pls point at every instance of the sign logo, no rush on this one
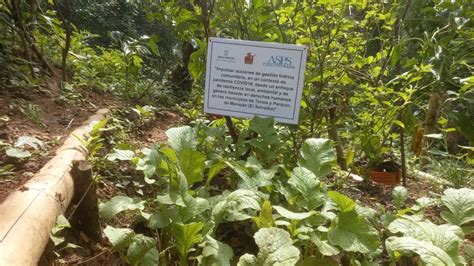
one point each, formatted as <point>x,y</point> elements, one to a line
<point>279,61</point>
<point>249,58</point>
<point>225,57</point>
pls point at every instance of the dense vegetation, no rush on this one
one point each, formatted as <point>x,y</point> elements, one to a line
<point>385,81</point>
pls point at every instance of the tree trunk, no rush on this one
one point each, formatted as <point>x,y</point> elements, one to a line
<point>431,117</point>
<point>66,18</point>
<point>334,136</point>
<point>30,39</point>
<point>430,122</point>
<point>15,13</point>
<point>85,211</point>
<point>403,156</point>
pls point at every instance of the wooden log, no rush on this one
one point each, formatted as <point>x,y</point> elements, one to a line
<point>28,215</point>
<point>84,214</point>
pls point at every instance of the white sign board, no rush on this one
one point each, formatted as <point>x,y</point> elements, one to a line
<point>245,78</point>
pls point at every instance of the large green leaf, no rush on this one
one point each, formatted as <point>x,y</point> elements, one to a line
<point>429,254</point>
<point>265,217</point>
<point>252,178</point>
<point>399,196</point>
<point>324,247</point>
<point>192,163</point>
<point>149,164</point>
<point>119,204</point>
<point>446,237</point>
<point>142,251</point>
<point>354,233</point>
<point>309,186</point>
<point>262,125</point>
<point>192,207</point>
<point>186,235</point>
<point>267,142</point>
<point>162,219</point>
<point>343,202</point>
<point>214,169</point>
<point>313,261</point>
<point>231,207</point>
<point>248,260</point>
<point>215,253</point>
<point>180,138</point>
<point>119,237</point>
<point>121,155</point>
<point>275,248</point>
<point>292,215</point>
<point>318,156</point>
<point>460,203</point>
<point>17,153</point>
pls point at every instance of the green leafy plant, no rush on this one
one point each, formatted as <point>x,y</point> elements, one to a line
<point>92,145</point>
<point>30,110</point>
<point>399,196</point>
<point>274,249</point>
<point>434,244</point>
<point>186,235</point>
<point>460,204</point>
<point>57,237</point>
<point>138,249</point>
<point>288,203</point>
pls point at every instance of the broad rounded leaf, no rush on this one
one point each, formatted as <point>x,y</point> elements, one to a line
<point>216,253</point>
<point>399,196</point>
<point>121,155</point>
<point>232,206</point>
<point>342,201</point>
<point>446,237</point>
<point>18,153</point>
<point>353,233</point>
<point>149,164</point>
<point>119,237</point>
<point>275,247</point>
<point>192,163</point>
<point>180,138</point>
<point>119,204</point>
<point>305,182</point>
<point>429,254</point>
<point>460,203</point>
<point>143,251</point>
<point>324,247</point>
<point>247,260</point>
<point>292,215</point>
<point>313,261</point>
<point>318,156</point>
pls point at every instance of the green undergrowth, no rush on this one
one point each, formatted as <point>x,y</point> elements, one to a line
<point>200,199</point>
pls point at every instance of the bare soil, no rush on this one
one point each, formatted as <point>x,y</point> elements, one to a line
<point>58,119</point>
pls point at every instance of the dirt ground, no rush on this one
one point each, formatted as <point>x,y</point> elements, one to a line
<point>58,118</point>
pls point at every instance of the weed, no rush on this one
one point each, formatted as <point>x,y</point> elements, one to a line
<point>453,170</point>
<point>30,110</point>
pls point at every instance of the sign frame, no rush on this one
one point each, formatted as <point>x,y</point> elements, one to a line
<point>266,47</point>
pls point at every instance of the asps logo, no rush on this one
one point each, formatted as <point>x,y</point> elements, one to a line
<point>279,61</point>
